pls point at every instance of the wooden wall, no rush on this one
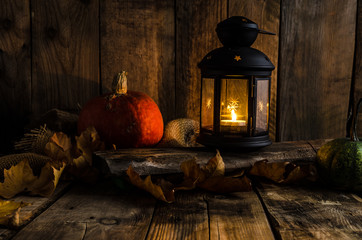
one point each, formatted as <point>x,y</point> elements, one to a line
<point>59,54</point>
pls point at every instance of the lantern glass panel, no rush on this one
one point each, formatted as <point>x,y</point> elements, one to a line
<point>207,104</point>
<point>262,106</point>
<point>234,106</point>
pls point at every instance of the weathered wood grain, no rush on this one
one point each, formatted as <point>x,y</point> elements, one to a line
<point>139,37</point>
<point>195,36</point>
<point>315,68</point>
<point>318,143</point>
<point>186,218</point>
<point>313,213</point>
<point>38,205</point>
<point>93,212</point>
<point>15,69</point>
<point>267,15</point>
<point>237,216</point>
<point>167,160</point>
<point>65,37</point>
<point>357,78</point>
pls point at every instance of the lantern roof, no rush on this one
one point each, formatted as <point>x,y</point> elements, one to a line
<point>236,61</point>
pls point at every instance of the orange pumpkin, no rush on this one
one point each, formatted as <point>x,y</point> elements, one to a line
<point>124,118</point>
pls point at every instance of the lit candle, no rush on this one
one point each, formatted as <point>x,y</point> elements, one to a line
<point>233,121</point>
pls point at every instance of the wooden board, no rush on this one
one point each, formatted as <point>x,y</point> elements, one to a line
<point>313,213</point>
<point>237,216</point>
<point>315,68</point>
<point>357,81</point>
<point>65,37</point>
<point>38,205</point>
<point>267,15</point>
<point>186,218</point>
<point>15,69</point>
<point>167,160</point>
<point>195,36</point>
<point>139,37</point>
<point>97,212</point>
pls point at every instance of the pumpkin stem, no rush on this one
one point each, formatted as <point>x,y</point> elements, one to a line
<point>353,128</point>
<point>119,84</point>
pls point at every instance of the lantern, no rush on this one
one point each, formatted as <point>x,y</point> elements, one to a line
<point>235,89</point>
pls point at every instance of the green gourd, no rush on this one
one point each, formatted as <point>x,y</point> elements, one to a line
<point>339,161</point>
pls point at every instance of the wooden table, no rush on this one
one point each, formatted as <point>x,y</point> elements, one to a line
<point>270,211</point>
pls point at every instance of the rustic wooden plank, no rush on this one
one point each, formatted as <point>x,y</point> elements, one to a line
<point>237,216</point>
<point>195,36</point>
<point>313,213</point>
<point>357,78</point>
<point>38,205</point>
<point>94,212</point>
<point>65,36</point>
<point>315,68</point>
<point>267,15</point>
<point>186,218</point>
<point>167,160</point>
<point>318,143</point>
<point>15,69</point>
<point>139,37</point>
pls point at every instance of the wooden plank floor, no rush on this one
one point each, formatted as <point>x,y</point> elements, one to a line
<point>269,211</point>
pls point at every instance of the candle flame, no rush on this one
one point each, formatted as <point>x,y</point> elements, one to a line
<point>233,115</point>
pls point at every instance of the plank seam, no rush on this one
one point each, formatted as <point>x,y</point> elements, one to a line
<point>41,210</point>
<point>100,82</point>
<point>153,215</point>
<point>277,108</point>
<point>269,216</point>
<point>208,215</point>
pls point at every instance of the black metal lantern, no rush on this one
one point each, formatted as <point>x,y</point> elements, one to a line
<point>235,89</point>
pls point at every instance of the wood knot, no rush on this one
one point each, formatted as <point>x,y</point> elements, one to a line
<point>109,221</point>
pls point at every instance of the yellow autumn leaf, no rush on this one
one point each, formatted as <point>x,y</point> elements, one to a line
<point>81,165</point>
<point>9,212</point>
<point>87,143</point>
<point>163,190</point>
<point>59,147</point>
<point>20,178</point>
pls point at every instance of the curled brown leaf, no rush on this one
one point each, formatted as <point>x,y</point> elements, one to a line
<point>163,191</point>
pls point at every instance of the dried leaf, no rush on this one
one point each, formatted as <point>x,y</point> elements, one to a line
<point>163,191</point>
<point>214,167</point>
<point>157,190</point>
<point>283,172</point>
<point>59,147</point>
<point>20,178</point>
<point>9,212</point>
<point>81,165</point>
<point>87,143</point>
<point>211,177</point>
<point>273,171</point>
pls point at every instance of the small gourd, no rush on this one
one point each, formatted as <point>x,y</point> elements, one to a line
<point>124,118</point>
<point>339,161</point>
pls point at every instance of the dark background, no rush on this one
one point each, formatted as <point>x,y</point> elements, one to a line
<point>58,54</point>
